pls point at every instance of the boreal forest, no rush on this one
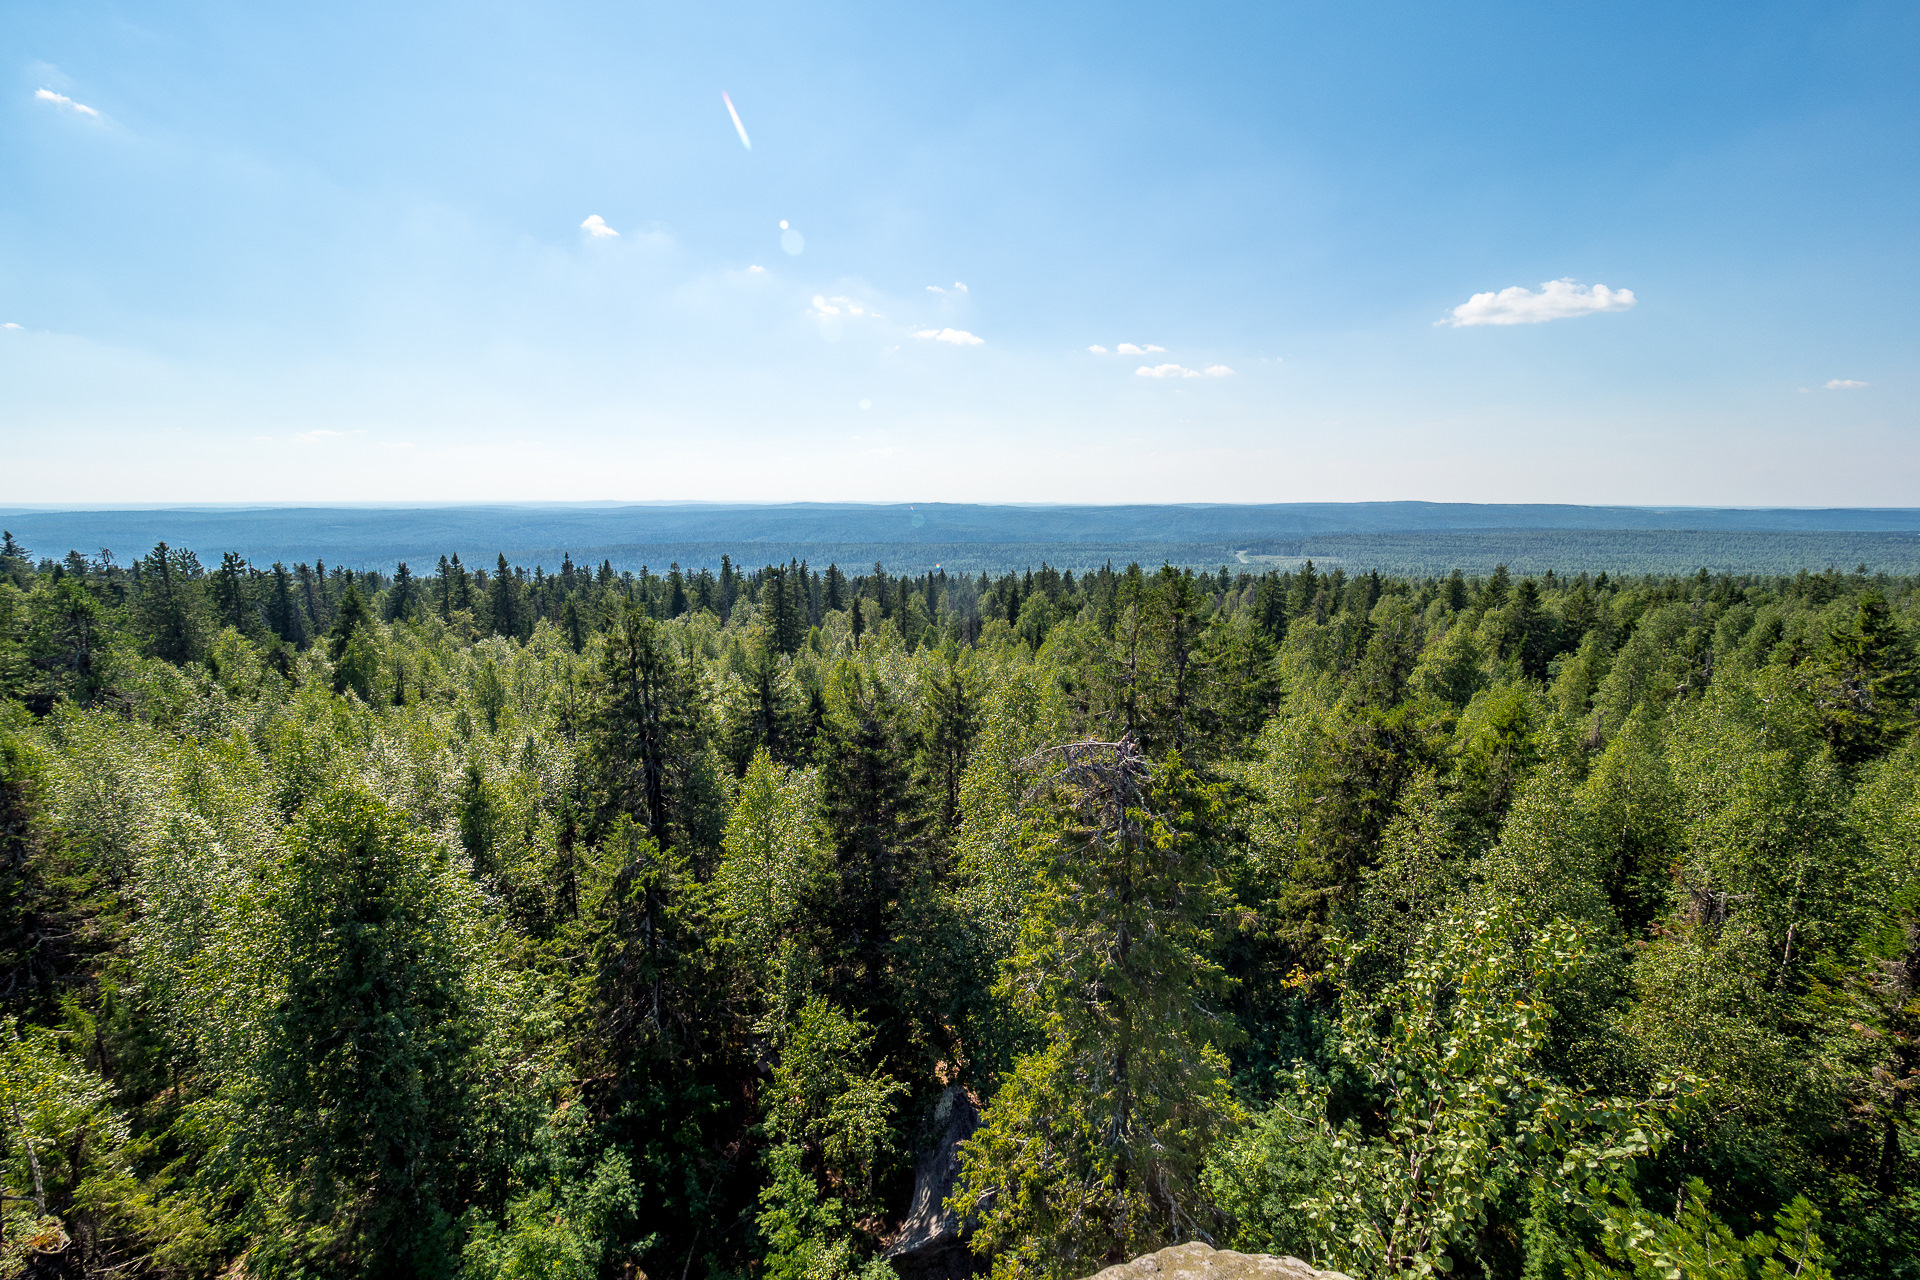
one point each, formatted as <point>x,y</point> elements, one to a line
<point>495,922</point>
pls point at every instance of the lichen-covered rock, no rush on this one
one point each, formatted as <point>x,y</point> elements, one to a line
<point>1195,1261</point>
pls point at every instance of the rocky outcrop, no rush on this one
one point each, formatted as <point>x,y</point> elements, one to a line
<point>930,1245</point>
<point>1195,1261</point>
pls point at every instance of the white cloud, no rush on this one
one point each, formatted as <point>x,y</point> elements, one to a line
<point>62,100</point>
<point>756,270</point>
<point>958,337</point>
<point>1838,384</point>
<point>1097,349</point>
<point>1128,349</point>
<point>959,287</point>
<point>1557,300</point>
<point>9,325</point>
<point>1181,371</point>
<point>596,226</point>
<point>824,308</point>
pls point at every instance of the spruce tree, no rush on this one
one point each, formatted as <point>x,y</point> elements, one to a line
<point>284,617</point>
<point>645,732</point>
<point>504,600</point>
<point>676,591</point>
<point>952,722</point>
<point>1866,681</point>
<point>370,1055</point>
<point>400,597</point>
<point>1091,1151</point>
<point>231,604</point>
<point>171,605</point>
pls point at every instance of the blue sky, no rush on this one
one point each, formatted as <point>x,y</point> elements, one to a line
<point>280,253</point>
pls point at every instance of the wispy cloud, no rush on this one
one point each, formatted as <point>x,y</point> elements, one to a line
<point>958,337</point>
<point>1844,384</point>
<point>1129,349</point>
<point>825,308</point>
<point>1181,371</point>
<point>1557,300</point>
<point>1097,349</point>
<point>62,100</point>
<point>9,325</point>
<point>957,288</point>
<point>596,226</point>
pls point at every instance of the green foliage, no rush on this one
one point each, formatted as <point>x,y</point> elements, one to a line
<point>1091,1149</point>
<point>370,1050</point>
<point>509,923</point>
<point>1444,1111</point>
<point>1865,682</point>
<point>85,1205</point>
<point>1694,1244</point>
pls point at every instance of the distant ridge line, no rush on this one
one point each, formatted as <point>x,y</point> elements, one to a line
<point>1399,537</point>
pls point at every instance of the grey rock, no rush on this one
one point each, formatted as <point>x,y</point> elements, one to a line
<point>931,1244</point>
<point>1196,1261</point>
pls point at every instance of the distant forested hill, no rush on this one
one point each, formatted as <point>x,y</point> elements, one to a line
<point>1393,537</point>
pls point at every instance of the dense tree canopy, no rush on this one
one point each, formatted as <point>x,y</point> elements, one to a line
<point>504,922</point>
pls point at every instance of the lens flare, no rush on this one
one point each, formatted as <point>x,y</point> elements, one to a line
<point>738,128</point>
